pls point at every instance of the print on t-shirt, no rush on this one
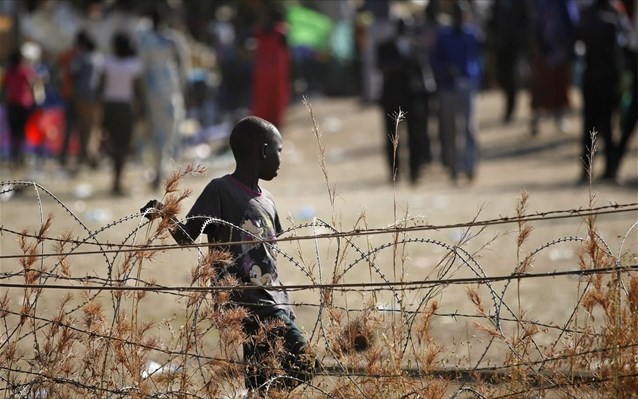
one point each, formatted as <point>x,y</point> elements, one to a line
<point>259,257</point>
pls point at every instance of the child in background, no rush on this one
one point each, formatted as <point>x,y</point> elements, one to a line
<point>120,90</point>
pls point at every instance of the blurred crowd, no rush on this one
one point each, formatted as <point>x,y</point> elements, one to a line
<point>432,63</point>
<point>116,81</point>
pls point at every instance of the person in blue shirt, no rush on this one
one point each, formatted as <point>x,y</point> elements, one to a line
<point>85,74</point>
<point>455,62</point>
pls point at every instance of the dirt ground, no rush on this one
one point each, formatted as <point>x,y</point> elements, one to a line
<point>511,160</point>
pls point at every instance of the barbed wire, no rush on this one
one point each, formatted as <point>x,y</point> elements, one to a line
<point>449,315</point>
<point>492,375</point>
<point>405,285</point>
<point>588,381</point>
<point>458,374</point>
<point>123,248</point>
<point>405,311</point>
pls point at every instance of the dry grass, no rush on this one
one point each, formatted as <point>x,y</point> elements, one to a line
<point>375,341</point>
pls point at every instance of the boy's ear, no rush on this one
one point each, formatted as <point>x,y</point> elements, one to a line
<point>263,150</point>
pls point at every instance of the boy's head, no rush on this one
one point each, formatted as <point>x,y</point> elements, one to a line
<point>257,143</point>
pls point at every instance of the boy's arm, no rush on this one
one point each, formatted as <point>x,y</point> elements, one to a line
<point>278,228</point>
<point>153,209</point>
<point>206,206</point>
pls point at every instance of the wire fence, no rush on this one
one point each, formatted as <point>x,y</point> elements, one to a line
<point>74,313</point>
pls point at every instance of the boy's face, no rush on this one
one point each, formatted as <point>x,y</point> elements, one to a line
<point>271,157</point>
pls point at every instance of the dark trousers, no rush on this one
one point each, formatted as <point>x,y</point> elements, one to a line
<point>118,126</point>
<point>17,117</point>
<point>628,122</point>
<point>506,67</point>
<point>416,121</point>
<point>598,107</point>
<point>69,119</point>
<point>86,112</point>
<point>275,347</point>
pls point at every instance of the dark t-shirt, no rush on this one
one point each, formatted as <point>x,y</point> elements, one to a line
<point>255,214</point>
<point>599,30</point>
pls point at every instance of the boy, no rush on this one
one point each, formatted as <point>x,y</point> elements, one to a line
<point>237,198</point>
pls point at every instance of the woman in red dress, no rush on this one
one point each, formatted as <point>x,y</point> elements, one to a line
<point>271,71</point>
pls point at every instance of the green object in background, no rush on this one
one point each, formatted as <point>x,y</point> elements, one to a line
<point>307,28</point>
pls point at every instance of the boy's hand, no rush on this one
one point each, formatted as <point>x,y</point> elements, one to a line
<point>152,209</point>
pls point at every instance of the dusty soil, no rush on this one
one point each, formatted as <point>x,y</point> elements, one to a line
<point>546,166</point>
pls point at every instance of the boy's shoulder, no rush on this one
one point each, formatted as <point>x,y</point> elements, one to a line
<point>229,185</point>
<point>217,183</point>
<point>267,195</point>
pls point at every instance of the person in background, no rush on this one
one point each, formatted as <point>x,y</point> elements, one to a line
<point>163,80</point>
<point>229,33</point>
<point>66,94</point>
<point>629,116</point>
<point>426,32</point>
<point>18,97</point>
<point>507,33</point>
<point>455,61</point>
<point>600,31</point>
<point>552,42</point>
<point>374,27</point>
<point>120,91</point>
<point>271,69</point>
<point>404,88</point>
<point>17,85</point>
<point>85,69</point>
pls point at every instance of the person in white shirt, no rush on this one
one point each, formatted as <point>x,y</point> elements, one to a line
<point>164,76</point>
<point>120,90</point>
